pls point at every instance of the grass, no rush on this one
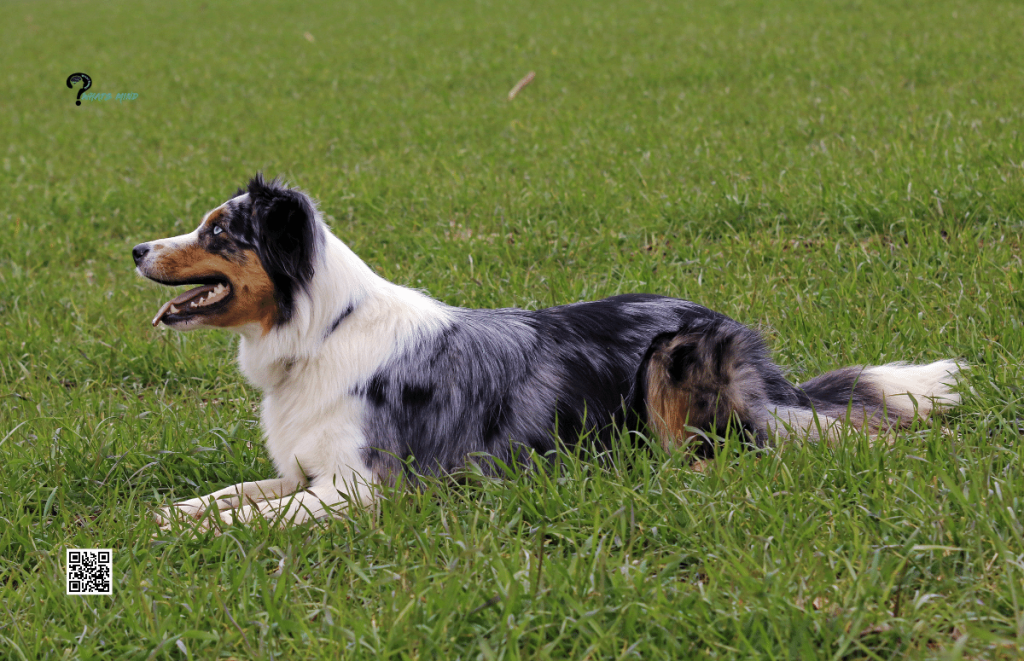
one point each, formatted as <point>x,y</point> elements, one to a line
<point>846,178</point>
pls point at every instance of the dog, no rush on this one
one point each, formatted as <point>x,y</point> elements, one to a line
<point>367,383</point>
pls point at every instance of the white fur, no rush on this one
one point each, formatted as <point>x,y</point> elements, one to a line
<point>310,414</point>
<point>915,389</point>
<point>180,240</point>
<point>908,390</point>
<point>795,422</point>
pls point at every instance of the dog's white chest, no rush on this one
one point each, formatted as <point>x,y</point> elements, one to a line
<point>313,436</point>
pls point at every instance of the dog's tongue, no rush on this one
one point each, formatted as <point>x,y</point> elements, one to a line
<point>180,299</point>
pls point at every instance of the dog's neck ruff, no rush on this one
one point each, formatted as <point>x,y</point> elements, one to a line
<point>347,315</point>
<point>337,320</point>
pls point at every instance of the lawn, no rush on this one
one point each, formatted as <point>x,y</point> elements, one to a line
<point>846,177</point>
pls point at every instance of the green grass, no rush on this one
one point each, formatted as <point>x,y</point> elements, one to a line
<point>846,177</point>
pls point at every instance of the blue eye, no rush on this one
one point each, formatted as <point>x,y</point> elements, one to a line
<point>217,230</point>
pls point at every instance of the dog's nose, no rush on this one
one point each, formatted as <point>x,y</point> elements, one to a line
<point>139,252</point>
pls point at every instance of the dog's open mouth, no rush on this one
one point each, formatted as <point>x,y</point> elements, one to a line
<point>204,300</point>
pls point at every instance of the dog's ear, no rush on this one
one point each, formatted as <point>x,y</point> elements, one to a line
<point>288,238</point>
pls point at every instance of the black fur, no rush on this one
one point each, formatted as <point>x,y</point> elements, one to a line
<point>241,224</point>
<point>844,391</point>
<point>721,375</point>
<point>719,369</point>
<point>340,318</point>
<point>502,382</point>
<point>287,238</point>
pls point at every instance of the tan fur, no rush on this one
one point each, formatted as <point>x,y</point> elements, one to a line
<point>253,292</point>
<point>214,216</point>
<point>668,409</point>
<point>706,381</point>
<point>254,295</point>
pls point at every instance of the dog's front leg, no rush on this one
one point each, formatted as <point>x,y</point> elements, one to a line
<point>229,498</point>
<point>312,503</point>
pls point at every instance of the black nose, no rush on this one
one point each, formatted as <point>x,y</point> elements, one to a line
<point>139,252</point>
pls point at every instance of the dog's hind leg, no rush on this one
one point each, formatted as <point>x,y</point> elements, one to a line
<point>719,374</point>
<point>228,498</point>
<point>705,379</point>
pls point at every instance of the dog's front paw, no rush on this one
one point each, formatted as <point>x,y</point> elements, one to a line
<point>189,523</point>
<point>179,512</point>
<point>187,514</point>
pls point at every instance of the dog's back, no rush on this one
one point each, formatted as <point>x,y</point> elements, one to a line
<point>503,383</point>
<point>507,382</point>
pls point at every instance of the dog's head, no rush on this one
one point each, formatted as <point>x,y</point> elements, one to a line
<point>251,257</point>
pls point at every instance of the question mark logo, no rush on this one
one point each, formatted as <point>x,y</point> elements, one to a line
<point>79,77</point>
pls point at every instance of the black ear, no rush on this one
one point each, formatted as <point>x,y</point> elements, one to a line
<point>288,238</point>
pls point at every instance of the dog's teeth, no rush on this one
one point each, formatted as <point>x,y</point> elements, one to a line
<point>193,304</point>
<point>174,309</point>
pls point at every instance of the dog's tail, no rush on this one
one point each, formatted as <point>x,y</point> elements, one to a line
<point>718,376</point>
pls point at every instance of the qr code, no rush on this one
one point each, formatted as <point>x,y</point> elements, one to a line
<point>89,571</point>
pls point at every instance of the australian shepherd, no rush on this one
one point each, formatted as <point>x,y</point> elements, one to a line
<point>366,382</point>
